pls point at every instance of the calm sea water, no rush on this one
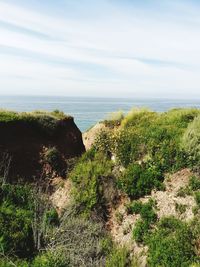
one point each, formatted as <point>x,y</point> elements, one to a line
<point>88,111</point>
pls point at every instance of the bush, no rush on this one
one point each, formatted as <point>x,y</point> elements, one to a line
<point>194,183</point>
<point>81,241</point>
<point>114,119</point>
<point>134,207</point>
<point>118,258</point>
<point>130,145</point>
<point>147,212</point>
<point>51,217</point>
<point>148,217</point>
<point>139,180</point>
<point>147,134</point>
<point>6,116</point>
<point>139,117</point>
<point>191,140</point>
<point>87,179</point>
<point>51,259</point>
<point>171,244</point>
<point>105,143</point>
<point>16,214</point>
<point>16,234</point>
<point>7,262</point>
<point>197,198</point>
<point>25,216</point>
<point>18,195</point>
<point>140,231</point>
<point>144,209</point>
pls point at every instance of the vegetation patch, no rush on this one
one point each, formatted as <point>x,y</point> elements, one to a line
<point>44,122</point>
<point>148,218</point>
<point>191,141</point>
<point>131,156</point>
<point>172,244</point>
<point>114,119</point>
<point>87,178</point>
<point>138,180</point>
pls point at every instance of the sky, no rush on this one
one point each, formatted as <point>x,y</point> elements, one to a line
<point>103,48</point>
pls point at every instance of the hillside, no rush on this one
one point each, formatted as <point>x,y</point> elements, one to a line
<point>132,199</point>
<point>29,141</point>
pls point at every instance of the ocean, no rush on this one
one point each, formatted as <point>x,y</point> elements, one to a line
<point>88,111</point>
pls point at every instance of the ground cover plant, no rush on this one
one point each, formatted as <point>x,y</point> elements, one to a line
<point>129,159</point>
<point>173,244</point>
<point>42,121</point>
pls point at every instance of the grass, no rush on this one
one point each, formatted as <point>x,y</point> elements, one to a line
<point>44,122</point>
<point>7,116</point>
<point>114,119</point>
<point>148,145</point>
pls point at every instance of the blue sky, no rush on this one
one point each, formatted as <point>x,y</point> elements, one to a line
<point>115,48</point>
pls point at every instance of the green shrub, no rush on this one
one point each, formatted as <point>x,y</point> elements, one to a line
<point>194,183</point>
<point>51,259</point>
<point>7,262</point>
<point>140,231</point>
<point>87,179</point>
<point>6,116</point>
<point>51,217</point>
<point>114,119</point>
<point>155,136</point>
<point>134,207</point>
<point>148,217</point>
<point>58,114</point>
<point>139,180</point>
<point>119,257</point>
<point>105,143</point>
<point>197,198</point>
<point>191,140</point>
<point>130,145</point>
<point>106,245</point>
<point>139,117</point>
<point>171,244</point>
<point>18,195</point>
<point>16,214</point>
<point>16,234</point>
<point>146,210</point>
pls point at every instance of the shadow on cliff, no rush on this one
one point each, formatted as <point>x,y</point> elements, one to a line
<point>24,147</point>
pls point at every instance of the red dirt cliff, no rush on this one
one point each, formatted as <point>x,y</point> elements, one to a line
<point>22,144</point>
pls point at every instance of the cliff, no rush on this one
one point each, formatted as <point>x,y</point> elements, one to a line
<point>30,144</point>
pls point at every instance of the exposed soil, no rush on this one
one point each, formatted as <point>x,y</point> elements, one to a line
<point>121,229</point>
<point>23,144</point>
<point>61,198</point>
<point>91,134</point>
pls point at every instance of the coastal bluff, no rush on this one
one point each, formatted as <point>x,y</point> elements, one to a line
<point>37,145</point>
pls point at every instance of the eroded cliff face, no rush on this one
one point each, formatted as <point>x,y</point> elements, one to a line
<point>25,144</point>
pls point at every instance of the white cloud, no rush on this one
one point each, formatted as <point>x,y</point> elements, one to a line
<point>127,44</point>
